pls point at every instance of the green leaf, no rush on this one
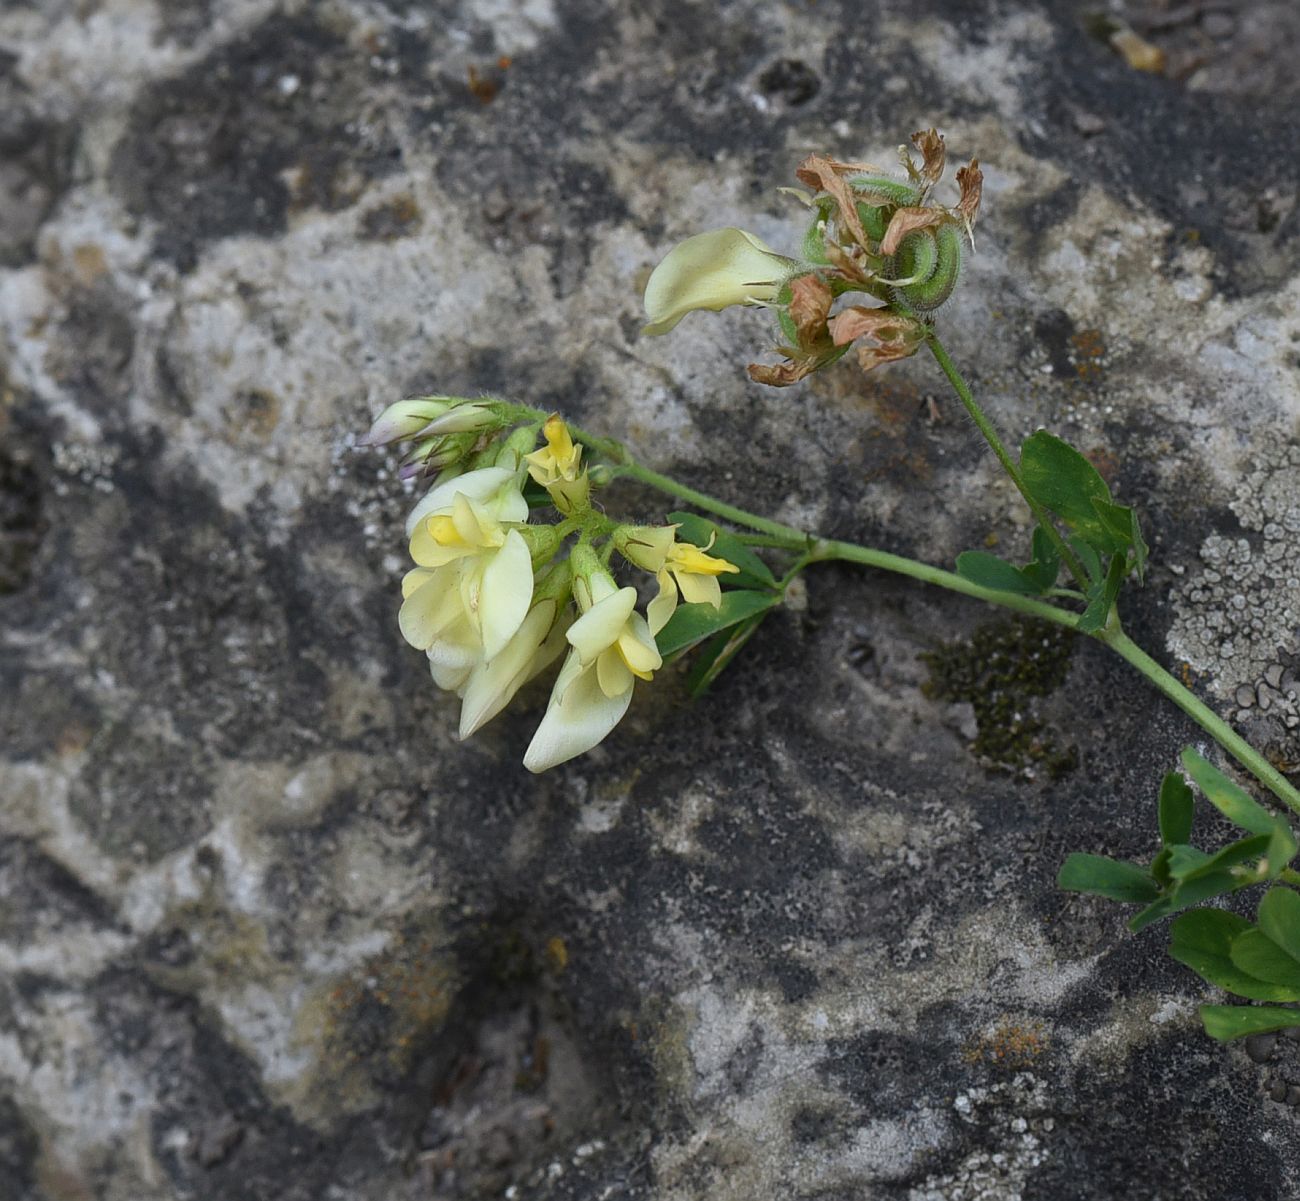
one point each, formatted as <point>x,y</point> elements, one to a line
<point>754,573</point>
<point>788,327</point>
<point>1226,1022</point>
<point>1258,955</point>
<point>1233,855</point>
<point>1184,859</point>
<point>1088,557</point>
<point>1226,797</point>
<point>1184,896</point>
<point>1279,918</point>
<point>1281,848</point>
<point>1160,867</point>
<point>718,652</point>
<point>1042,572</point>
<point>988,571</point>
<point>1062,480</point>
<point>1101,597</point>
<point>1106,878</point>
<point>693,623</point>
<point>1122,523</point>
<point>1177,809</point>
<point>1202,941</point>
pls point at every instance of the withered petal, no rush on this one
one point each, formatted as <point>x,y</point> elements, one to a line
<point>931,145</point>
<point>810,303</point>
<point>883,324</point>
<point>971,181</point>
<point>904,221</point>
<point>822,173</point>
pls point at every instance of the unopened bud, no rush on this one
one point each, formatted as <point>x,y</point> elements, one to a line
<point>461,418</point>
<point>405,419</point>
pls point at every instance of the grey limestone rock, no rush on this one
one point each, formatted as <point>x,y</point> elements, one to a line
<point>268,932</point>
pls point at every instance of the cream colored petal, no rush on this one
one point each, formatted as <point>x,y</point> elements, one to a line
<point>699,589</point>
<point>427,551</point>
<point>507,593</point>
<point>480,485</point>
<point>637,646</point>
<point>417,577</point>
<point>602,585</point>
<point>601,625</point>
<point>451,678</point>
<point>429,609</point>
<point>508,504</point>
<point>579,716</point>
<point>664,605</point>
<point>612,674</point>
<point>711,271</point>
<point>491,685</point>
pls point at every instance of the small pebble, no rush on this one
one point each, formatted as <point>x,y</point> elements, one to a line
<point>1218,25</point>
<point>1277,1090</point>
<point>1260,1047</point>
<point>1088,124</point>
<point>1293,1095</point>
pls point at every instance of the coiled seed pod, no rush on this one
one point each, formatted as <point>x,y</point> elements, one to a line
<point>930,261</point>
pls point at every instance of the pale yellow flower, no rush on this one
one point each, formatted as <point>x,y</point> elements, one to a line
<point>611,648</point>
<point>473,583</point>
<point>712,271</point>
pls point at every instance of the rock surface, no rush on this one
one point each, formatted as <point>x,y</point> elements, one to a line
<point>268,932</point>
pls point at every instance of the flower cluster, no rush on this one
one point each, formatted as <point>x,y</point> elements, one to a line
<point>869,233</point>
<point>495,599</point>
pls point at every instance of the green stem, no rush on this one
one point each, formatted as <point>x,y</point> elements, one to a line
<point>1041,515</point>
<point>1202,714</point>
<point>818,549</point>
<point>814,549</point>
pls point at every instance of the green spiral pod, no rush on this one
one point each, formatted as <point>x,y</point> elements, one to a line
<point>881,190</point>
<point>931,258</point>
<point>875,220</point>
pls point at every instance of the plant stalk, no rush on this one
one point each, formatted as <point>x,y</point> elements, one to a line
<point>1009,465</point>
<point>813,549</point>
<point>819,549</point>
<point>1203,715</point>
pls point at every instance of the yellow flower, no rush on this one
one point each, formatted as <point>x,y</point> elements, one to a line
<point>559,459</point>
<point>473,582</point>
<point>678,567</point>
<point>611,648</point>
<point>689,570</point>
<point>712,271</point>
<point>557,467</point>
<point>534,647</point>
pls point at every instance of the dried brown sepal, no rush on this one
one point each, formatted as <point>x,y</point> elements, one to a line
<point>933,151</point>
<point>891,335</point>
<point>835,165</point>
<point>810,305</point>
<point>971,182</point>
<point>824,175</point>
<point>887,352</point>
<point>904,221</point>
<point>884,324</point>
<point>782,375</point>
<point>845,265</point>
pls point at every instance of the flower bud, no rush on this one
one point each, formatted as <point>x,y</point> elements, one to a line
<point>646,546</point>
<point>405,419</point>
<point>462,417</point>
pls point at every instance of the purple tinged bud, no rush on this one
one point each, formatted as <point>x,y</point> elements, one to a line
<point>404,420</point>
